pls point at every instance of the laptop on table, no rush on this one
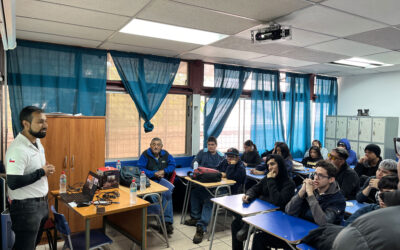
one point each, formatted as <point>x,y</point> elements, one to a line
<point>88,190</point>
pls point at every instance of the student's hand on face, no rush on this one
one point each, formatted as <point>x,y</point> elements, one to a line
<point>264,158</point>
<point>309,187</point>
<point>373,183</point>
<point>245,199</point>
<point>363,159</point>
<point>271,174</point>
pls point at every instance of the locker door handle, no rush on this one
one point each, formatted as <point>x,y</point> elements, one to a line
<point>72,162</point>
<point>65,162</point>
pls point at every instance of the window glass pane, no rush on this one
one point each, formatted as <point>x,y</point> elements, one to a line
<point>7,123</point>
<point>181,77</point>
<point>122,134</point>
<point>112,73</point>
<point>208,75</point>
<point>169,125</point>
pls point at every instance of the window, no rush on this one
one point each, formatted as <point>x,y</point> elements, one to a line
<point>122,126</point>
<point>209,77</point>
<point>180,78</point>
<point>237,127</point>
<point>7,124</point>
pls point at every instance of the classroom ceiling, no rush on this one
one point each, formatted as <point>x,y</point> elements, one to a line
<point>323,31</point>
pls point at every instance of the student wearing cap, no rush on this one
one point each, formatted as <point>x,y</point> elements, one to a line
<point>344,143</point>
<point>231,168</point>
<point>368,164</point>
<point>370,187</point>
<point>347,178</point>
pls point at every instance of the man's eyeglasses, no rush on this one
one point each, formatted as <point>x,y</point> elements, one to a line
<point>332,157</point>
<point>318,176</point>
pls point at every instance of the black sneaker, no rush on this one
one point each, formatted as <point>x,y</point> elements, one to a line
<point>198,237</point>
<point>170,228</point>
<point>241,235</point>
<point>191,222</point>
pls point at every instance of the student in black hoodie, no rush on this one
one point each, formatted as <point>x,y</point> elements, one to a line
<point>250,157</point>
<point>276,187</point>
<point>314,156</point>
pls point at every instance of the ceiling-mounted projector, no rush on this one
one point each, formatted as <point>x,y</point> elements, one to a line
<point>272,32</point>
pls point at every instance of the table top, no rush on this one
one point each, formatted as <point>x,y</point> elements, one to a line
<point>281,225</point>
<point>351,209</point>
<point>224,181</point>
<point>306,171</point>
<point>123,199</point>
<point>256,177</point>
<point>234,203</point>
<point>182,172</point>
<point>153,188</point>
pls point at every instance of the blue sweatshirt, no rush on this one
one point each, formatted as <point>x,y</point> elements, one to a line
<point>168,166</point>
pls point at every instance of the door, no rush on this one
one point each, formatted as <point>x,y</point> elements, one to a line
<point>330,144</point>
<point>341,127</point>
<point>330,126</point>
<point>352,128</point>
<point>378,130</point>
<point>365,129</point>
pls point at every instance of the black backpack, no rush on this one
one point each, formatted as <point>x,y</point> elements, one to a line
<point>127,174</point>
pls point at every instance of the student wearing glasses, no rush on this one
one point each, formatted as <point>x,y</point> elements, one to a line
<point>319,199</point>
<point>346,177</point>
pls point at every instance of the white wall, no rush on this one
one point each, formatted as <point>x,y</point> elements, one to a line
<point>380,93</point>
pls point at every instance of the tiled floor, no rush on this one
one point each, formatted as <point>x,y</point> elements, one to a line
<point>181,239</point>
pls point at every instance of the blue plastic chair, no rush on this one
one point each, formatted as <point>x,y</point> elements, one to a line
<point>77,241</point>
<point>155,210</point>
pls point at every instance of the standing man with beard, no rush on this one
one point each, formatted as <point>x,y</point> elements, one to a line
<point>27,172</point>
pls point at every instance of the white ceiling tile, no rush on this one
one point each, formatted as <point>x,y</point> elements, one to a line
<point>388,69</point>
<point>238,43</point>
<point>347,47</point>
<point>194,17</point>
<point>138,49</point>
<point>142,41</point>
<point>318,68</point>
<point>211,51</point>
<point>392,57</point>
<point>386,38</point>
<point>284,61</point>
<point>70,15</point>
<point>119,7</point>
<point>311,55</point>
<point>40,37</point>
<point>386,11</point>
<point>328,21</point>
<point>256,9</point>
<point>300,37</point>
<point>49,27</point>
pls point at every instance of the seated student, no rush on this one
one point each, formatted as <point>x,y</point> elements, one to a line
<point>158,163</point>
<point>317,143</point>
<point>370,187</point>
<point>314,156</point>
<point>200,204</point>
<point>209,157</point>
<point>385,184</point>
<point>368,164</point>
<point>346,177</point>
<point>268,152</point>
<point>281,149</point>
<point>344,143</point>
<point>250,157</point>
<point>276,188</point>
<point>319,200</point>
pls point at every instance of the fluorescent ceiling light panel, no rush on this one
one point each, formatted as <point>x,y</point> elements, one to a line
<point>361,63</point>
<point>170,32</point>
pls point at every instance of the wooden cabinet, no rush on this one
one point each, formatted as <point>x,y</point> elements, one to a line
<point>75,145</point>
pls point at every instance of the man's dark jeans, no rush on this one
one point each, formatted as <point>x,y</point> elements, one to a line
<point>28,218</point>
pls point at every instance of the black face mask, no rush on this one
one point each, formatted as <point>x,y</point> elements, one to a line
<point>39,134</point>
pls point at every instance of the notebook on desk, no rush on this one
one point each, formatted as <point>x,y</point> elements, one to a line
<point>88,191</point>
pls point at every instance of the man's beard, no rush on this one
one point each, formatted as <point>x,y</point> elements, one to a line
<point>39,134</point>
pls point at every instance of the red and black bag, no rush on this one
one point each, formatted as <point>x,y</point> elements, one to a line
<point>205,175</point>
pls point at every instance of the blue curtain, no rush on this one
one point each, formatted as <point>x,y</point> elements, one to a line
<point>298,124</point>
<point>326,90</point>
<point>266,109</point>
<point>229,82</point>
<point>147,80</point>
<point>57,78</point>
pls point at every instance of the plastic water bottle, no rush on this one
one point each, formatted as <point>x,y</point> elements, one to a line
<point>142,181</point>
<point>195,165</point>
<point>132,192</point>
<point>63,182</point>
<point>119,165</point>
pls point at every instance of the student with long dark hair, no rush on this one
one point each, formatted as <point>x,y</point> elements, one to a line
<point>276,188</point>
<point>281,149</point>
<point>314,156</point>
<point>250,157</point>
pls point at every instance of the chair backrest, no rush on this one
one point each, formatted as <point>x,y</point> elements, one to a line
<point>7,235</point>
<point>61,222</point>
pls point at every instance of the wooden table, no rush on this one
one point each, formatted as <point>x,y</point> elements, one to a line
<point>123,216</point>
<point>208,186</point>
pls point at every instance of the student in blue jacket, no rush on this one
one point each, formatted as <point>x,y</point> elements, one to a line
<point>352,159</point>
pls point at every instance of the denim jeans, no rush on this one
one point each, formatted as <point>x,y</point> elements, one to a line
<point>28,218</point>
<point>201,205</point>
<point>169,211</point>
